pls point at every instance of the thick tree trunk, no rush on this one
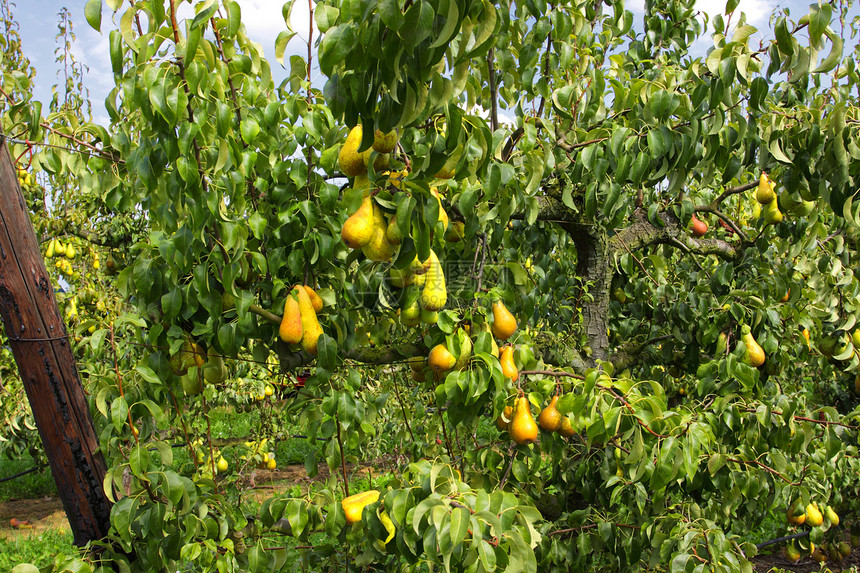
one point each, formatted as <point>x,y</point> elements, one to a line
<point>592,266</point>
<point>40,344</point>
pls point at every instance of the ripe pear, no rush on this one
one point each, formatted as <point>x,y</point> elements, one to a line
<point>378,248</point>
<point>504,323</point>
<point>772,214</point>
<point>52,249</point>
<point>550,418</point>
<point>795,514</point>
<point>434,295</point>
<point>509,368</point>
<point>311,329</point>
<point>316,301</point>
<point>70,252</point>
<point>358,230</point>
<point>417,267</point>
<point>523,429</point>
<point>354,504</point>
<point>59,249</point>
<point>566,428</point>
<point>443,214</point>
<point>764,193</point>
<point>503,422</point>
<point>792,553</point>
<point>291,329</point>
<point>494,349</point>
<point>831,515</point>
<point>352,163</point>
<point>441,360</point>
<point>813,515</point>
<point>698,227</point>
<point>384,142</point>
<point>754,355</point>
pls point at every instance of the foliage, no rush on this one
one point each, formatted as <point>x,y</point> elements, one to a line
<point>574,147</point>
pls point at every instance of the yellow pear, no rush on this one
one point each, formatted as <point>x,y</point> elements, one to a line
<point>494,349</point>
<point>352,163</point>
<point>764,193</point>
<point>434,295</point>
<point>379,249</point>
<point>772,214</point>
<point>754,355</point>
<point>290,330</point>
<point>550,418</point>
<point>792,553</point>
<point>311,329</point>
<point>354,504</point>
<point>503,422</point>
<point>795,514</point>
<point>813,515</point>
<point>509,368</point>
<point>316,301</point>
<point>504,323</point>
<point>358,230</point>
<point>443,214</point>
<point>831,515</point>
<point>384,142</point>
<point>441,360</point>
<point>52,249</point>
<point>566,428</point>
<point>523,429</point>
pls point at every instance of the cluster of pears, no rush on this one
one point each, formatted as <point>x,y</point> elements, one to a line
<point>194,365</point>
<point>259,454</point>
<point>443,359</point>
<point>765,195</point>
<point>300,323</point>
<point>379,235</point>
<point>754,354</point>
<point>426,292</point>
<point>517,420</point>
<point>814,516</point>
<point>57,249</point>
<point>206,460</point>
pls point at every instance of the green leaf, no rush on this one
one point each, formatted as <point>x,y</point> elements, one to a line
<point>93,14</point>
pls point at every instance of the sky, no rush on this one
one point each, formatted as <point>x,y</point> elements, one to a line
<point>263,21</point>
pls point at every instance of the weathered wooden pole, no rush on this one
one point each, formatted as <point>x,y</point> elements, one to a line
<point>39,341</point>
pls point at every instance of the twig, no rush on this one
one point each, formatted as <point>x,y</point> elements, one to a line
<point>635,258</point>
<point>552,373</point>
<point>403,408</point>
<point>507,469</point>
<point>342,458</point>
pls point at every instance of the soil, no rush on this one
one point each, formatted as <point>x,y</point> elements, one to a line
<point>766,562</point>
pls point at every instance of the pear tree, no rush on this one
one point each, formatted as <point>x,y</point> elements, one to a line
<point>671,230</point>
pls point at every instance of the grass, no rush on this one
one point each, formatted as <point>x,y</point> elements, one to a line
<point>39,549</point>
<point>29,486</point>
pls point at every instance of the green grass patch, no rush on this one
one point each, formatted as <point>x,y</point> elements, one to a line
<point>40,549</point>
<point>29,486</point>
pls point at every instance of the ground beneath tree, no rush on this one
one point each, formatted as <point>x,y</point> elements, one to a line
<point>47,513</point>
<point>765,563</point>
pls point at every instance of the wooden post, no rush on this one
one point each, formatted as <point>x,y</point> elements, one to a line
<point>39,342</point>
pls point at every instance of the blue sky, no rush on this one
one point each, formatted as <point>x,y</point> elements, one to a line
<point>263,21</point>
